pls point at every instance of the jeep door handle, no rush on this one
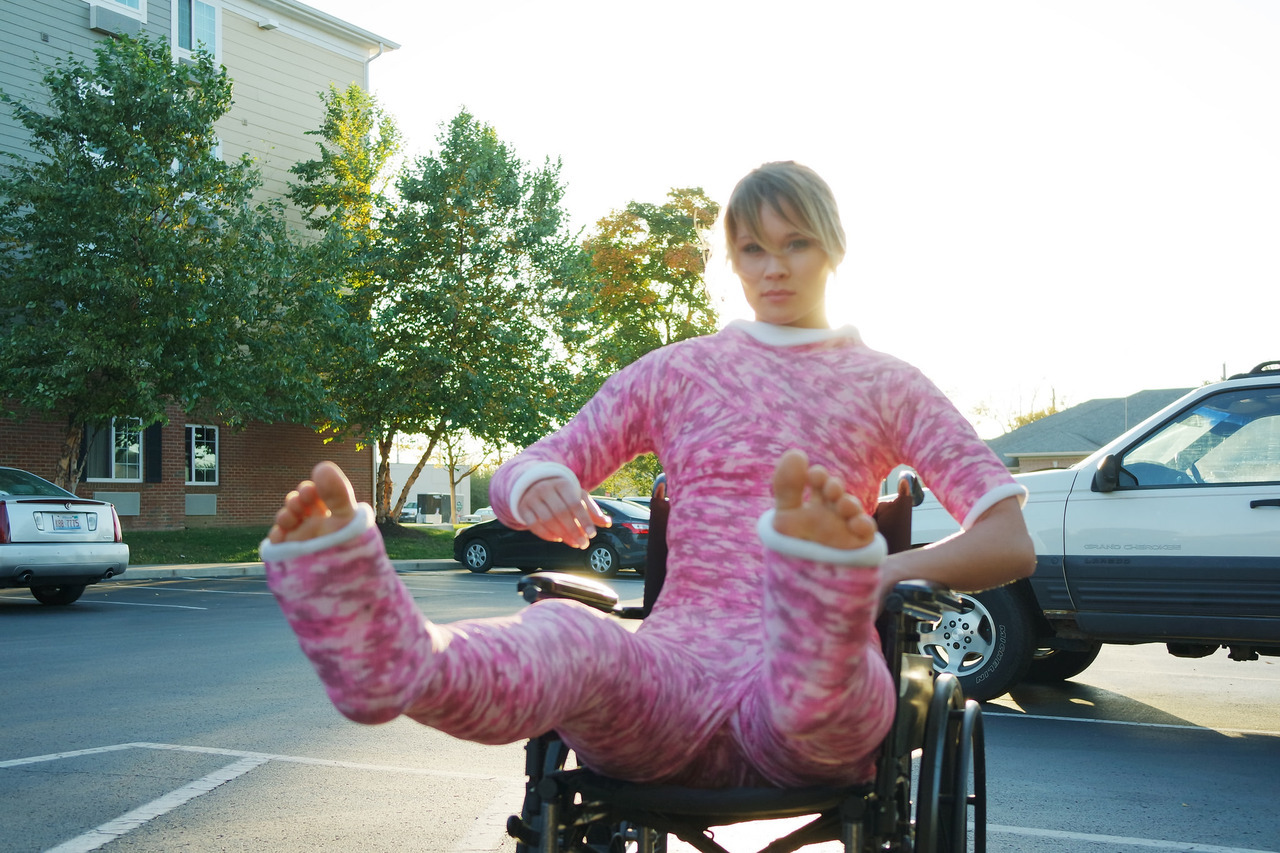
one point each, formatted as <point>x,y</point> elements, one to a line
<point>1267,502</point>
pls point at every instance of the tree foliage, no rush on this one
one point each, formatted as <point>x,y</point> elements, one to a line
<point>346,187</point>
<point>344,195</point>
<point>649,263</point>
<point>136,270</point>
<point>465,327</point>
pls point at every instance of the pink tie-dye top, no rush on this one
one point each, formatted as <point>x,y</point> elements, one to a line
<point>719,410</point>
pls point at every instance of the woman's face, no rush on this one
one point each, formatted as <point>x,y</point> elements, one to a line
<point>784,273</point>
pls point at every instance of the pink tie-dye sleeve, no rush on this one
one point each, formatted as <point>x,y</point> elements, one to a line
<point>940,443</point>
<point>616,425</point>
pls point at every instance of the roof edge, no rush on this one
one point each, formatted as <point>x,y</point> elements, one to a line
<point>325,21</point>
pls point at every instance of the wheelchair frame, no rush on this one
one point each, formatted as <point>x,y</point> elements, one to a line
<point>574,810</point>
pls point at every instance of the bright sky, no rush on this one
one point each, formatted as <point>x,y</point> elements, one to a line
<point>1080,199</point>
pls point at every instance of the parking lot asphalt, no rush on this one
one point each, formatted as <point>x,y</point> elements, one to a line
<point>256,570</point>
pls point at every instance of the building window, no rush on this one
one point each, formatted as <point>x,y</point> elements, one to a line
<point>202,455</point>
<point>132,8</point>
<point>196,26</point>
<point>114,452</point>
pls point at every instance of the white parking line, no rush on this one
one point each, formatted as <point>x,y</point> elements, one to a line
<point>1188,727</point>
<point>126,823</point>
<point>54,756</point>
<point>188,589</point>
<point>146,604</point>
<point>1114,841</point>
<point>487,833</point>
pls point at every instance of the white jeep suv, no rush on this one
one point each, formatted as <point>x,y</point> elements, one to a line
<point>1168,534</point>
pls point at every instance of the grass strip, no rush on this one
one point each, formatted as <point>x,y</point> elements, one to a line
<point>240,544</point>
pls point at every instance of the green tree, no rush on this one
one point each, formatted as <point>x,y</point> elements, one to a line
<point>136,270</point>
<point>344,195</point>
<point>346,187</point>
<point>649,264</point>
<point>466,326</point>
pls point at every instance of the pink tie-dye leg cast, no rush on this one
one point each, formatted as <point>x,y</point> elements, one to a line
<point>642,706</point>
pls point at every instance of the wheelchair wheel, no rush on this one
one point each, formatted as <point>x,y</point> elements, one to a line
<point>952,774</point>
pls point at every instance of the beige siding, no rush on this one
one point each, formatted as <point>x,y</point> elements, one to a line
<point>278,78</point>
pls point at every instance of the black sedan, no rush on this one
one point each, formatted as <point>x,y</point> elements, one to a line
<point>622,546</point>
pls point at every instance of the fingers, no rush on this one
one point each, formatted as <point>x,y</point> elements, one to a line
<point>560,511</point>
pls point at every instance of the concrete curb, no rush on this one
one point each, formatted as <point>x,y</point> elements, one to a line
<point>256,570</point>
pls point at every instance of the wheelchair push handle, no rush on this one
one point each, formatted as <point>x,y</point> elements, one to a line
<point>545,585</point>
<point>923,601</point>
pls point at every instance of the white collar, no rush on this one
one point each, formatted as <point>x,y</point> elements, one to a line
<point>790,336</point>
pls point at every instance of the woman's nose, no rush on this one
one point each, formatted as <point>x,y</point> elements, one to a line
<point>775,266</point>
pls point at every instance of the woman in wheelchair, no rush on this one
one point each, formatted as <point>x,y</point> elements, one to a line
<point>759,664</point>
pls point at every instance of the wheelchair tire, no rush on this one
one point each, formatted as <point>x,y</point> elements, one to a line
<point>988,645</point>
<point>1049,666</point>
<point>952,774</point>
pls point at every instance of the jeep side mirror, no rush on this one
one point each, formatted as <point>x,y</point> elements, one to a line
<point>1107,477</point>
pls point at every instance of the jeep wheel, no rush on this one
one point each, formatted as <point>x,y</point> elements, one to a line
<point>988,645</point>
<point>1049,666</point>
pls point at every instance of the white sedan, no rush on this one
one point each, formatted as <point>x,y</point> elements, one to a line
<point>53,542</point>
<point>484,513</point>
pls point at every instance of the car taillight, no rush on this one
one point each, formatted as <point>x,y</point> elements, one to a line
<point>5,534</point>
<point>639,528</point>
<point>115,521</point>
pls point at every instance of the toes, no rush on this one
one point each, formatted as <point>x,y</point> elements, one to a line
<point>333,488</point>
<point>789,480</point>
<point>861,526</point>
<point>832,490</point>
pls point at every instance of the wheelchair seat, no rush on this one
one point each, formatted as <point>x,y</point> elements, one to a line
<point>575,809</point>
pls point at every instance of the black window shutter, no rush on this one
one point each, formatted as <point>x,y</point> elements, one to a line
<point>152,466</point>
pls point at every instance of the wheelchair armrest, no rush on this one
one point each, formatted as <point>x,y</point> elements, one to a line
<point>923,601</point>
<point>544,585</point>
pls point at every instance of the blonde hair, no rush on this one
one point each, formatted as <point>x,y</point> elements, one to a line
<point>794,192</point>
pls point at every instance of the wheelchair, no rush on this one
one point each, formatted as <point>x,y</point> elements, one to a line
<point>906,809</point>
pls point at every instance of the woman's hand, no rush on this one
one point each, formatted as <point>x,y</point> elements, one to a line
<point>559,510</point>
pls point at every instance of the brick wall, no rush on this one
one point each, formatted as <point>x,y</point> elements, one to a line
<point>257,465</point>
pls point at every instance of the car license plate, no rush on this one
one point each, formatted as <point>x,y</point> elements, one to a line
<point>64,521</point>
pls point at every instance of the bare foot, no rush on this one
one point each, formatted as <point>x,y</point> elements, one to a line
<point>827,514</point>
<point>321,505</point>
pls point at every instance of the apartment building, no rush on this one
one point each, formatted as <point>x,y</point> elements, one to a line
<point>281,55</point>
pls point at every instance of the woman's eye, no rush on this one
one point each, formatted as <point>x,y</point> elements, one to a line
<point>750,248</point>
<point>799,244</point>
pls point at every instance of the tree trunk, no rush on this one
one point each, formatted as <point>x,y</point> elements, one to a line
<point>71,462</point>
<point>413,476</point>
<point>382,488</point>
